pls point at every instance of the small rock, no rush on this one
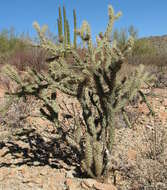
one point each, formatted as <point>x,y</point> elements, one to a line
<point>132,154</point>
<point>165,102</point>
<point>143,109</point>
<point>44,171</point>
<point>4,172</point>
<point>72,184</point>
<point>59,177</point>
<point>88,182</point>
<point>84,186</point>
<point>2,92</point>
<point>92,183</point>
<point>36,163</point>
<point>55,182</point>
<point>163,116</point>
<point>69,174</point>
<point>103,186</point>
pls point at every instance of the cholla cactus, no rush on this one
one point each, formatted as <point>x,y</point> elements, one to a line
<point>93,82</point>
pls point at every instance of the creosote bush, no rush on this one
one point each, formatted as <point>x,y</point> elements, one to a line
<point>93,81</point>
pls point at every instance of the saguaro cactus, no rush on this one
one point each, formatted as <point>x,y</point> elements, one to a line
<point>66,36</point>
<point>60,28</point>
<point>68,33</point>
<point>75,29</point>
<point>65,25</point>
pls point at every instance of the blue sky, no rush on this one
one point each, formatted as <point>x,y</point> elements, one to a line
<point>148,16</point>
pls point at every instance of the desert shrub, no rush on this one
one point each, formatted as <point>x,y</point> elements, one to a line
<point>153,52</point>
<point>143,52</point>
<point>142,47</point>
<point>9,41</point>
<point>122,35</point>
<point>92,80</point>
<point>18,112</point>
<point>33,57</point>
<point>17,51</point>
<point>149,169</point>
<point>160,73</point>
<point>13,117</point>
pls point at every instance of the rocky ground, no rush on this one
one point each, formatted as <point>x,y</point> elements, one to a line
<point>31,161</point>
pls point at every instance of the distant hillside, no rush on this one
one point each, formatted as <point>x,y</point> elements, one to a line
<point>156,54</point>
<point>159,42</point>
